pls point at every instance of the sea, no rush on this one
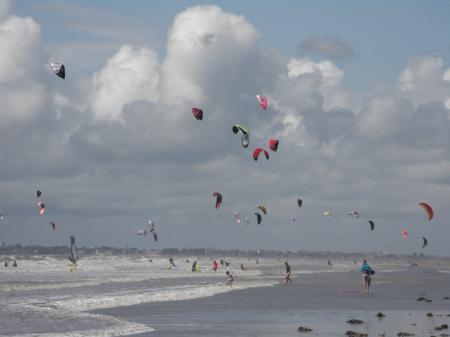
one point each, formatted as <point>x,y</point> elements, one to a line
<point>145,295</point>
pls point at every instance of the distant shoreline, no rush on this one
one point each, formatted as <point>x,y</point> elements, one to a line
<point>56,251</point>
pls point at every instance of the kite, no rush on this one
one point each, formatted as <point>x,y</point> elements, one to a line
<point>245,134</point>
<point>59,69</point>
<point>2,216</point>
<point>237,217</point>
<point>38,193</point>
<point>41,208</point>
<point>354,213</point>
<point>428,209</point>
<point>151,226</point>
<point>258,151</point>
<point>405,234</point>
<point>155,237</point>
<point>263,209</point>
<point>218,199</point>
<point>198,113</point>
<point>262,100</point>
<point>258,217</point>
<point>328,213</point>
<point>141,232</point>
<point>273,144</point>
<point>425,242</point>
<point>299,202</point>
<point>53,225</point>
<point>73,257</point>
<point>372,225</point>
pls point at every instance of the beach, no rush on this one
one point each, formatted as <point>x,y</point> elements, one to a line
<point>316,301</point>
<point>122,295</point>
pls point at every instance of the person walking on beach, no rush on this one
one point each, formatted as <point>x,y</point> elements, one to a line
<point>230,279</point>
<point>194,266</point>
<point>288,273</point>
<point>367,273</point>
<point>214,266</point>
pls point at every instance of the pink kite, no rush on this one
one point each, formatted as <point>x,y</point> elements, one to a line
<point>405,234</point>
<point>273,144</point>
<point>198,113</point>
<point>262,100</point>
<point>258,151</point>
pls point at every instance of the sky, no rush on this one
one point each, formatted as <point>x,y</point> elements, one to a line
<point>359,99</point>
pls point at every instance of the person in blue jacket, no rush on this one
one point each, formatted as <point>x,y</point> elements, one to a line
<point>367,273</point>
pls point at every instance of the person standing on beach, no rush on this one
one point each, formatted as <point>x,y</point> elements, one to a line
<point>288,273</point>
<point>230,279</point>
<point>367,273</point>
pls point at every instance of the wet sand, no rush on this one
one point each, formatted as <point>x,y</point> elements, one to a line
<point>318,301</point>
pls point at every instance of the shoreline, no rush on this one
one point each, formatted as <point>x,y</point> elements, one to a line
<point>316,297</point>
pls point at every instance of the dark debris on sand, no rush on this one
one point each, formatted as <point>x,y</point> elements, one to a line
<point>380,315</point>
<point>304,329</point>
<point>423,299</point>
<point>405,334</point>
<point>355,321</point>
<point>442,327</point>
<point>430,314</point>
<point>446,298</point>
<point>355,334</point>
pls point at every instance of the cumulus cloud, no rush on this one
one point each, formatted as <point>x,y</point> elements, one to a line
<point>22,91</point>
<point>425,79</point>
<point>208,48</point>
<point>331,48</point>
<point>130,75</point>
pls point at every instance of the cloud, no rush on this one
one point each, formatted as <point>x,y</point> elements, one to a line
<point>130,75</point>
<point>332,48</point>
<point>5,7</point>
<point>121,146</point>
<point>425,79</point>
<point>22,91</point>
<point>207,47</point>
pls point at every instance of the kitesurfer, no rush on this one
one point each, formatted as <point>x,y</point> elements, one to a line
<point>242,267</point>
<point>171,261</point>
<point>6,263</point>
<point>214,265</point>
<point>194,266</point>
<point>14,264</point>
<point>367,273</point>
<point>230,279</point>
<point>288,273</point>
<point>221,262</point>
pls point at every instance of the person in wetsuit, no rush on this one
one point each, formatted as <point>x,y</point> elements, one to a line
<point>367,273</point>
<point>230,279</point>
<point>288,273</point>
